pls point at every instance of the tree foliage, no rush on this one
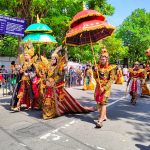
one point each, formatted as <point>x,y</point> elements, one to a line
<point>115,48</point>
<point>8,46</point>
<point>135,33</point>
<point>55,13</point>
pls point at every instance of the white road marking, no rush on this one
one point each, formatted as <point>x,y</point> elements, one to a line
<point>45,136</point>
<point>66,140</point>
<point>22,144</point>
<point>55,137</point>
<point>100,148</point>
<point>94,146</point>
<point>116,101</point>
<point>53,133</point>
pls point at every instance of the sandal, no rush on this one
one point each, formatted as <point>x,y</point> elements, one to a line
<point>98,124</point>
<point>16,109</point>
<point>105,119</point>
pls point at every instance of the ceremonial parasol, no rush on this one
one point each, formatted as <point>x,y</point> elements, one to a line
<point>39,33</point>
<point>88,32</point>
<point>38,27</point>
<point>39,38</point>
<point>88,27</point>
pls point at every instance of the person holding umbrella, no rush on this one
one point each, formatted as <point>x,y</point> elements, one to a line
<point>104,74</point>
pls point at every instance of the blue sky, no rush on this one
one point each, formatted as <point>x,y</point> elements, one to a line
<point>123,9</point>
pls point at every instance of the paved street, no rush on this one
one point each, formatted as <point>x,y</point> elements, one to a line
<point>127,127</point>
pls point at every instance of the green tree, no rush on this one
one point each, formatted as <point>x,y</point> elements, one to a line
<point>115,48</point>
<point>8,46</point>
<point>55,13</point>
<point>84,53</point>
<point>135,33</point>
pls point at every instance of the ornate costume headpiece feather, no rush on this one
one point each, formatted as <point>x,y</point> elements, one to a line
<point>59,52</point>
<point>104,52</point>
<point>28,48</point>
<point>136,63</point>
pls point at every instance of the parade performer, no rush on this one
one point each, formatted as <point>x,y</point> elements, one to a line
<point>125,73</point>
<point>145,89</point>
<point>136,77</point>
<point>14,70</point>
<point>147,67</point>
<point>57,100</point>
<point>26,92</point>
<point>119,77</point>
<point>89,82</point>
<point>104,75</point>
<point>43,66</point>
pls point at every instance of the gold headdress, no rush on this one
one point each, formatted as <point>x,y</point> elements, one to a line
<point>61,55</point>
<point>136,63</point>
<point>59,52</point>
<point>104,52</point>
<point>55,55</point>
<point>28,48</point>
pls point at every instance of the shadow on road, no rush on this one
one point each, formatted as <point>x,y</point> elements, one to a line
<point>86,117</point>
<point>138,116</point>
<point>142,147</point>
<point>5,102</point>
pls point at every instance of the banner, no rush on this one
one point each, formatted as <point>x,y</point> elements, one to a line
<point>12,26</point>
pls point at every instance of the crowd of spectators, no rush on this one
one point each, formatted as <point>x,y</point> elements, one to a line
<point>74,76</point>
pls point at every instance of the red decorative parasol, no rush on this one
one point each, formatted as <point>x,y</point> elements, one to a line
<point>87,32</point>
<point>88,26</point>
<point>86,15</point>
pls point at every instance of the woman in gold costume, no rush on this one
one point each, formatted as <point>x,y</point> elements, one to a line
<point>26,92</point>
<point>119,76</point>
<point>145,89</point>
<point>57,101</point>
<point>89,82</point>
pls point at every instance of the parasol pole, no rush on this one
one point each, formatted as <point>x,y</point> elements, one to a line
<point>39,50</point>
<point>94,59</point>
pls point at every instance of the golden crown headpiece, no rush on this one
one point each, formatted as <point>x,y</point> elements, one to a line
<point>28,48</point>
<point>104,52</point>
<point>136,63</point>
<point>57,53</point>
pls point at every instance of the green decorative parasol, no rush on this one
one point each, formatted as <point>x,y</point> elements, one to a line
<point>38,33</point>
<point>39,38</point>
<point>38,27</point>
